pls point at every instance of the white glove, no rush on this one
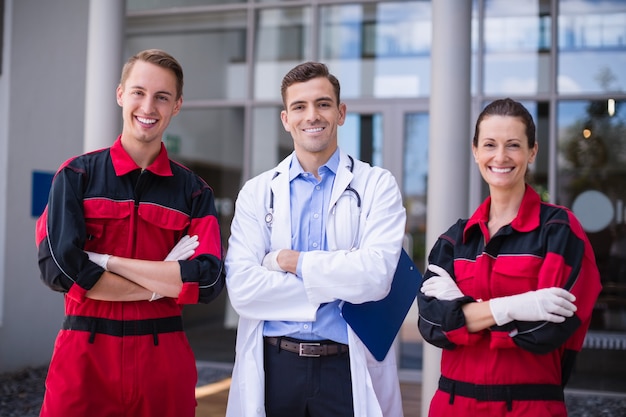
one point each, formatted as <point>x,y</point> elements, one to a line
<point>99,259</point>
<point>183,250</point>
<point>547,304</point>
<point>441,286</point>
<point>270,261</point>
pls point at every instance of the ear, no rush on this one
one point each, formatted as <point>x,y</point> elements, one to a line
<point>119,91</point>
<point>178,105</point>
<point>533,153</point>
<point>474,152</point>
<point>283,118</point>
<point>342,114</point>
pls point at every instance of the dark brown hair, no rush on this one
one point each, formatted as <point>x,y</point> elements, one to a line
<point>156,57</point>
<point>508,107</point>
<point>305,72</point>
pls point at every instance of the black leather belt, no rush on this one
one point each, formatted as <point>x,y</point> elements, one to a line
<point>308,349</point>
<point>506,393</point>
<point>122,328</point>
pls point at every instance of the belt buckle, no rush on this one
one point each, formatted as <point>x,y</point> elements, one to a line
<point>308,355</point>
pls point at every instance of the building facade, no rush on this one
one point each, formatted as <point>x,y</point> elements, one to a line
<point>564,59</point>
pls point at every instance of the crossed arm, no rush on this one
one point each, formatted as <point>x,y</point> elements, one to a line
<point>128,279</point>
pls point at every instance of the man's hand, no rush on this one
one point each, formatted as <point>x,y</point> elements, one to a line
<point>547,304</point>
<point>184,249</point>
<point>99,259</point>
<point>441,286</point>
<point>270,261</point>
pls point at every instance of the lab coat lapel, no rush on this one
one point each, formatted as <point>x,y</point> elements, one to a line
<point>342,179</point>
<point>281,229</point>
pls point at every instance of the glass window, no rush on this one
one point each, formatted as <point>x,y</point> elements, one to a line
<point>210,142</point>
<point>592,46</point>
<point>210,48</point>
<point>142,5</point>
<point>378,49</point>
<point>270,141</point>
<point>362,137</point>
<point>592,181</point>
<point>282,41</point>
<point>415,181</point>
<point>517,47</point>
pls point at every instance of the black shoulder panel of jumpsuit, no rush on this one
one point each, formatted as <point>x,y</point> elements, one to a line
<point>438,316</point>
<point>60,231</point>
<point>206,269</point>
<point>557,237</point>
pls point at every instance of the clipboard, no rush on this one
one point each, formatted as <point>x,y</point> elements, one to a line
<point>378,322</point>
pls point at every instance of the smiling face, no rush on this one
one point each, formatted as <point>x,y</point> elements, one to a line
<point>502,152</point>
<point>148,101</point>
<point>312,116</point>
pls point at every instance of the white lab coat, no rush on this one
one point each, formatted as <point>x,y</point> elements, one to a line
<point>357,275</point>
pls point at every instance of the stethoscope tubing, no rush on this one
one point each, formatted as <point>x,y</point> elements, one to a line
<point>269,217</point>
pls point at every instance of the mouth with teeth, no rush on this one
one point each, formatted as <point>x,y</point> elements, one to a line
<point>314,130</point>
<point>501,170</point>
<point>145,121</point>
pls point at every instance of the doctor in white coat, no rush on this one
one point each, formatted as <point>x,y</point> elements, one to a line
<point>269,282</point>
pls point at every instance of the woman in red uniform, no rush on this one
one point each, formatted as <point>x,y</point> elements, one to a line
<point>509,292</point>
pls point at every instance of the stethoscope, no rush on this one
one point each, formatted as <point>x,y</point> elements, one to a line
<point>269,217</point>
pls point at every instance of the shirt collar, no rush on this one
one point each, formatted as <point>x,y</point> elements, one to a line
<point>527,218</point>
<point>296,169</point>
<point>123,163</point>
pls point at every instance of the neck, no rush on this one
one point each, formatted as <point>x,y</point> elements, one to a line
<point>142,153</point>
<point>505,204</point>
<point>311,162</point>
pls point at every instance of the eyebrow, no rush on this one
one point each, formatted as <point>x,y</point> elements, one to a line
<point>317,100</point>
<point>144,89</point>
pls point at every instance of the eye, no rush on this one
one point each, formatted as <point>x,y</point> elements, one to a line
<point>162,98</point>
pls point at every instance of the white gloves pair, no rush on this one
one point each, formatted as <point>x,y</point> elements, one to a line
<point>270,261</point>
<point>183,250</point>
<point>547,304</point>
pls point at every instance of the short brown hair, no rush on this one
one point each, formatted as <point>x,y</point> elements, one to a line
<point>156,57</point>
<point>305,72</point>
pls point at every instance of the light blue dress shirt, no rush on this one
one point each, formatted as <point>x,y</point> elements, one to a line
<point>310,199</point>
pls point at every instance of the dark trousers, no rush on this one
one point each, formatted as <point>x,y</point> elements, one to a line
<point>297,386</point>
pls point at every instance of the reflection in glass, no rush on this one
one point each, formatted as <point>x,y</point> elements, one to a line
<point>592,158</point>
<point>282,41</point>
<point>517,47</point>
<point>378,49</point>
<point>592,46</point>
<point>212,55</point>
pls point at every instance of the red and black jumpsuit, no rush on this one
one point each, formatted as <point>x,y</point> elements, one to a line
<point>125,358</point>
<point>518,369</point>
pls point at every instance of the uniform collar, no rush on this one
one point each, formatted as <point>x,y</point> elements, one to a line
<point>123,163</point>
<point>527,218</point>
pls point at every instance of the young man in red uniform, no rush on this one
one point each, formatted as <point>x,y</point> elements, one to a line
<point>129,237</point>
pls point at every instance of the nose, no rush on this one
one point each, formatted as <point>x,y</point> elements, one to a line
<point>312,113</point>
<point>500,153</point>
<point>148,104</point>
